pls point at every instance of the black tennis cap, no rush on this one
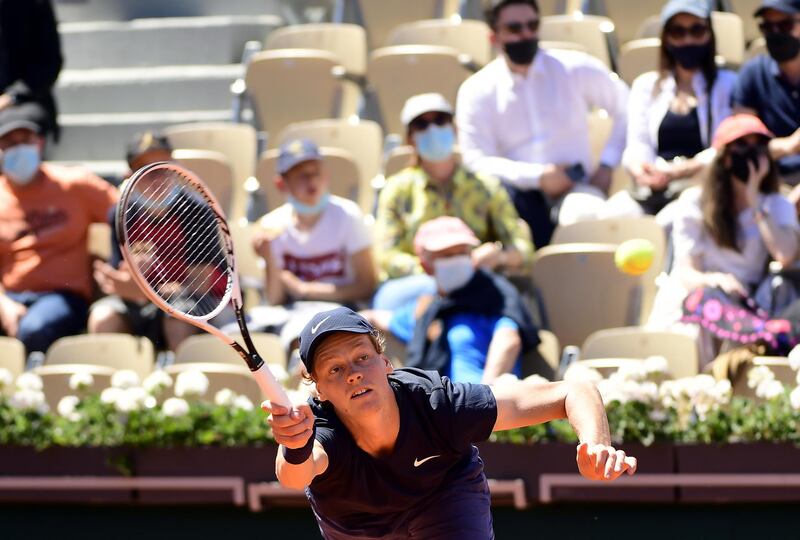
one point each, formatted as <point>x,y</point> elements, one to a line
<point>323,324</point>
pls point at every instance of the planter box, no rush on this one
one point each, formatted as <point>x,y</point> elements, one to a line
<point>58,461</point>
<point>752,458</point>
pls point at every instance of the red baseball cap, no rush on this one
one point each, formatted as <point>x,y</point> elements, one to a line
<point>737,126</point>
<point>443,233</point>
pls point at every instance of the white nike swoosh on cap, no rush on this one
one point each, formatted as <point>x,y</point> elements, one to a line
<point>316,326</point>
<point>418,462</point>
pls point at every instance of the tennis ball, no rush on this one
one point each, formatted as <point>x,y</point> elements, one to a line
<point>635,256</point>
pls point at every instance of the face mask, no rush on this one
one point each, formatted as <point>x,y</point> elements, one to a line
<point>782,47</point>
<point>435,143</point>
<point>21,162</point>
<point>307,210</point>
<point>452,273</point>
<point>522,52</point>
<point>740,164</point>
<point>689,56</point>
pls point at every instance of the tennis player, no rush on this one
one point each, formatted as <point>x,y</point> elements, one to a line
<point>385,453</point>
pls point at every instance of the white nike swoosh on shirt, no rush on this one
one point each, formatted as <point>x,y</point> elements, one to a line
<point>418,462</point>
<point>316,326</point>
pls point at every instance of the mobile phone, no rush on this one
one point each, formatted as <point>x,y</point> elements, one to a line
<point>575,172</point>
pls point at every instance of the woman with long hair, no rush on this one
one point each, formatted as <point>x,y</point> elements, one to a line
<point>673,111</point>
<point>725,231</point>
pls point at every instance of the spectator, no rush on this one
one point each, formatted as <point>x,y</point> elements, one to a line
<point>523,119</point>
<point>317,246</point>
<point>30,56</point>
<point>126,309</point>
<point>477,327</point>
<point>769,85</point>
<point>437,185</point>
<point>726,230</point>
<point>45,212</point>
<point>673,112</point>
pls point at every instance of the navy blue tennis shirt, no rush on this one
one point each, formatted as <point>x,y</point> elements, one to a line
<point>432,484</point>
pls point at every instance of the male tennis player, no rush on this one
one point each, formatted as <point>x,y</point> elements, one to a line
<point>388,454</point>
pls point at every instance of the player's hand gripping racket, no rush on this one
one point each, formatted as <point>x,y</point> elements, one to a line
<point>174,236</point>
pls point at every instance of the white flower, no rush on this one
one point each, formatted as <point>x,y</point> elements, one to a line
<point>577,372</point>
<point>66,408</point>
<point>610,391</point>
<point>769,389</point>
<point>191,383</point>
<point>6,378</point>
<point>657,415</point>
<point>110,395</point>
<point>656,365</point>
<point>29,400</point>
<point>29,381</point>
<point>125,378</point>
<point>157,382</point>
<point>759,374</point>
<point>634,371</point>
<point>279,372</point>
<point>175,407</point>
<point>80,381</point>
<point>225,397</point>
<point>794,398</point>
<point>794,358</point>
<point>243,402</point>
<point>131,399</point>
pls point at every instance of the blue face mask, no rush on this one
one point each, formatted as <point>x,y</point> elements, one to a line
<point>436,142</point>
<point>21,162</point>
<point>306,210</point>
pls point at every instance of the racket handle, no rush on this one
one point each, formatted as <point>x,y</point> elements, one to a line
<point>270,387</point>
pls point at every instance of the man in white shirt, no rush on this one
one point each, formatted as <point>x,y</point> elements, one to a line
<point>523,117</point>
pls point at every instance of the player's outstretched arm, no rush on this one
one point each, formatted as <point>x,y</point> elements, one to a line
<point>300,458</point>
<point>523,403</point>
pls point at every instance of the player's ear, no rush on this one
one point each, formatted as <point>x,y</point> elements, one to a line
<point>389,367</point>
<point>280,183</point>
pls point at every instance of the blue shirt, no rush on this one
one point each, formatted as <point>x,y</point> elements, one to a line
<point>468,336</point>
<point>761,87</point>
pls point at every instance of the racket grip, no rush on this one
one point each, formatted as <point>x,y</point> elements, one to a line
<point>270,387</point>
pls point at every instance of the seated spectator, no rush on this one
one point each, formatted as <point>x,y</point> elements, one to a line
<point>523,119</point>
<point>437,185</point>
<point>45,212</point>
<point>724,233</point>
<point>769,86</point>
<point>477,326</point>
<point>317,246</point>
<point>673,112</point>
<point>126,309</point>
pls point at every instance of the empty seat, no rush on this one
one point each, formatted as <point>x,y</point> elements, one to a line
<point>214,170</point>
<point>12,355</point>
<point>628,16</point>
<point>745,9</point>
<point>591,31</point>
<point>469,37</point>
<point>116,351</point>
<point>55,380</point>
<point>207,348</point>
<point>381,16</point>
<point>237,378</point>
<point>638,56</point>
<point>398,159</point>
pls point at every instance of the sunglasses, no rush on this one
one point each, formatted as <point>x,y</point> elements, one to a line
<point>421,124</point>
<point>676,31</point>
<point>783,26</point>
<point>516,28</point>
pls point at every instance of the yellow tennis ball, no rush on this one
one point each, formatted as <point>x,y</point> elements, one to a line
<point>635,256</point>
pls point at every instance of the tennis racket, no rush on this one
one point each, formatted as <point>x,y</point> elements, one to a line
<point>173,235</point>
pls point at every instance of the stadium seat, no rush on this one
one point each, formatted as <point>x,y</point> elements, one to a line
<point>213,168</point>
<point>342,169</point>
<point>208,348</point>
<point>235,141</point>
<point>55,380</point>
<point>348,42</point>
<point>544,359</point>
<point>12,355</point>
<point>607,366</point>
<point>381,16</point>
<point>468,37</point>
<point>116,351</point>
<point>363,139</point>
<point>591,31</point>
<point>756,47</point>
<point>679,349</point>
<point>745,9</point>
<point>616,231</point>
<point>249,265</point>
<point>628,16</point>
<point>220,376</point>
<point>600,125</point>
<point>398,159</point>
<point>562,45</point>
<point>397,73</point>
<point>777,364</point>
<point>99,239</point>
<point>581,290</point>
<point>292,85</point>
<point>638,56</point>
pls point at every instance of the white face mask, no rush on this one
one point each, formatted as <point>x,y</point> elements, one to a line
<point>452,273</point>
<point>21,162</point>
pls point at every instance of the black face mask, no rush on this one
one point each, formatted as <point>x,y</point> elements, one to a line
<point>689,56</point>
<point>782,47</point>
<point>741,161</point>
<point>522,52</point>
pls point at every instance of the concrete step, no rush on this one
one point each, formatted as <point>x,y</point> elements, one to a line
<point>103,137</point>
<point>113,171</point>
<point>162,88</point>
<point>162,42</point>
<point>123,10</point>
